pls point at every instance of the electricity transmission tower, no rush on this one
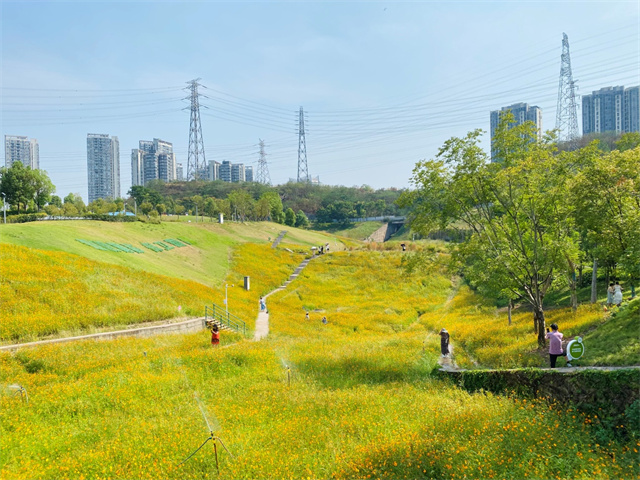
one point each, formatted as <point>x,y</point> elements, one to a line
<point>263,170</point>
<point>303,169</point>
<point>196,163</point>
<point>567,110</point>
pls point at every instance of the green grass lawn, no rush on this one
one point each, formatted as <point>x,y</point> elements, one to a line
<point>205,261</point>
<point>355,231</point>
<point>615,340</point>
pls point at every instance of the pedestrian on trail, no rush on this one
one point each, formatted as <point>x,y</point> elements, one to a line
<point>263,305</point>
<point>610,292</point>
<point>215,335</point>
<point>617,294</point>
<point>404,247</point>
<point>306,317</point>
<point>326,247</point>
<point>555,346</point>
<point>444,342</point>
<point>324,320</point>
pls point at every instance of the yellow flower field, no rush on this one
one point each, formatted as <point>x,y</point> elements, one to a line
<point>350,399</point>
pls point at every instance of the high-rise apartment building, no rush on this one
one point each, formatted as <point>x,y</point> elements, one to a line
<point>631,108</point>
<point>237,172</point>
<point>522,112</point>
<point>248,174</point>
<point>225,171</point>
<point>611,109</point>
<point>103,166</point>
<point>137,172</point>
<point>213,170</point>
<point>179,172</point>
<point>18,148</point>
<point>152,160</point>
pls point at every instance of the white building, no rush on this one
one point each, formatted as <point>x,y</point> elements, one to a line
<point>153,160</point>
<point>103,166</point>
<point>18,148</point>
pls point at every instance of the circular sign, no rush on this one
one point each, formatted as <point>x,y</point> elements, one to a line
<point>575,349</point>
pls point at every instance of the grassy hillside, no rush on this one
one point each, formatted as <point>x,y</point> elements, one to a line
<point>205,261</point>
<point>350,399</point>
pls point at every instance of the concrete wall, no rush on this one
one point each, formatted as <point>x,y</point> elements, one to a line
<point>193,325</point>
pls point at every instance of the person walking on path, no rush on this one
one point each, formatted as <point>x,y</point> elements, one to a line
<point>617,294</point>
<point>610,292</point>
<point>324,320</point>
<point>263,305</point>
<point>444,342</point>
<point>215,335</point>
<point>555,346</point>
<point>306,317</point>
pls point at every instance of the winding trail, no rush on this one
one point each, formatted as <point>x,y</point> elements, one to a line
<point>262,322</point>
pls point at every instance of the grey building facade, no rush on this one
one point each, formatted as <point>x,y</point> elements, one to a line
<point>152,160</point>
<point>103,166</point>
<point>18,148</point>
<point>611,109</point>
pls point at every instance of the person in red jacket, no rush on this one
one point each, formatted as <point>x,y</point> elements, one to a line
<point>215,335</point>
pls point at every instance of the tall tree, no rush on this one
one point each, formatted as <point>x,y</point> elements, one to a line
<point>18,185</point>
<point>516,209</point>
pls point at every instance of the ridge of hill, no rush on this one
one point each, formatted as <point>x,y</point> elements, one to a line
<point>206,260</point>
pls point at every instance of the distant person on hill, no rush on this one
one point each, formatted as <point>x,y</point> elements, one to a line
<point>617,294</point>
<point>326,247</point>
<point>215,335</point>
<point>263,305</point>
<point>555,346</point>
<point>306,317</point>
<point>610,292</point>
<point>324,320</point>
<point>404,247</point>
<point>444,342</point>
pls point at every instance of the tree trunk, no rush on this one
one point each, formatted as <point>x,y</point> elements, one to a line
<point>580,275</point>
<point>509,310</point>
<point>540,325</point>
<point>594,282</point>
<point>572,287</point>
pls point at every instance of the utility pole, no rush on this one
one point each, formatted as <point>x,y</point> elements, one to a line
<point>4,207</point>
<point>303,169</point>
<point>567,110</point>
<point>263,169</point>
<point>196,162</point>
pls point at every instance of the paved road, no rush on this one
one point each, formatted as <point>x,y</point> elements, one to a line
<point>262,322</point>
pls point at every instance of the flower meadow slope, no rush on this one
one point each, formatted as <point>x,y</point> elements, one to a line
<point>352,398</point>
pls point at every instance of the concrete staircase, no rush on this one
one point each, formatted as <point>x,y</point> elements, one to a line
<point>279,239</point>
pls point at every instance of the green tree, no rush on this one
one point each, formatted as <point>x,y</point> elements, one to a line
<point>42,188</point>
<point>516,209</point>
<point>241,204</point>
<point>301,220</point>
<point>276,211</point>
<point>69,209</point>
<point>161,208</point>
<point>198,204</point>
<point>606,195</point>
<point>146,207</point>
<point>55,200</point>
<point>17,184</point>
<point>628,141</point>
<point>263,208</point>
<point>211,208</point>
<point>290,217</point>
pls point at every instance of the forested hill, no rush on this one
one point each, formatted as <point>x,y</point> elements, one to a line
<point>313,200</point>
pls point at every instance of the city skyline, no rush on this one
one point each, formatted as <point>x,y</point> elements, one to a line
<point>382,86</point>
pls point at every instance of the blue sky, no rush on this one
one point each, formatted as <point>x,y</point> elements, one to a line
<point>383,84</point>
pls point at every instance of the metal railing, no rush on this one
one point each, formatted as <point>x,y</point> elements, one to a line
<point>218,314</point>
